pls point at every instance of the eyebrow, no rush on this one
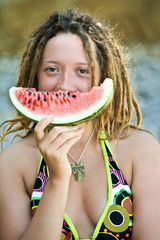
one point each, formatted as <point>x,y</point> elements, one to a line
<point>80,63</point>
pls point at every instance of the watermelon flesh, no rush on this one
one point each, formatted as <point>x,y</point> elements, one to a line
<point>67,108</point>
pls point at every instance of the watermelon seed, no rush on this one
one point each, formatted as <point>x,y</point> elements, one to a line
<point>56,94</point>
<point>39,98</point>
<point>29,102</point>
<point>45,99</point>
<point>69,93</point>
<point>74,96</point>
<point>29,93</point>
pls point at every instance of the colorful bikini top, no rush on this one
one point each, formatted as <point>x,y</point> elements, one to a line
<point>116,219</point>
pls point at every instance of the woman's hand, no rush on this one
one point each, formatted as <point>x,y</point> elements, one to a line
<point>55,145</point>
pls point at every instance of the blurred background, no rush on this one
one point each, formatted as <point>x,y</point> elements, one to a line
<point>136,22</point>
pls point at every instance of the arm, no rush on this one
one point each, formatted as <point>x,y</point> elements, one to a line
<point>14,201</point>
<point>48,219</point>
<point>145,188</point>
<point>15,216</point>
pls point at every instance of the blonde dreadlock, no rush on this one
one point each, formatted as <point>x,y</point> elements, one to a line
<point>117,116</point>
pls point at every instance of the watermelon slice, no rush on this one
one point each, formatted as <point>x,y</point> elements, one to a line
<point>68,107</point>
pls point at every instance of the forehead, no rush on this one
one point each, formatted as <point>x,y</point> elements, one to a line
<point>67,49</point>
<point>68,42</point>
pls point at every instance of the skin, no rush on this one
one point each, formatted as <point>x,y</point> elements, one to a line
<point>65,65</point>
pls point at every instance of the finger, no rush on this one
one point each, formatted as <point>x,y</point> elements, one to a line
<point>65,136</point>
<point>65,147</point>
<point>40,127</point>
<point>57,131</point>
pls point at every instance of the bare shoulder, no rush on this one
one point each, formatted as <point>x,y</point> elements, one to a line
<point>18,169</point>
<point>19,152</point>
<point>145,147</point>
<point>143,136</point>
<point>135,151</point>
<point>21,159</point>
<point>145,185</point>
<point>146,160</point>
<point>145,152</point>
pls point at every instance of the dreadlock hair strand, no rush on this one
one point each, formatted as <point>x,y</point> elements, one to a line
<point>117,116</point>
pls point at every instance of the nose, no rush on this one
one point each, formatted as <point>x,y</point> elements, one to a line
<point>66,82</point>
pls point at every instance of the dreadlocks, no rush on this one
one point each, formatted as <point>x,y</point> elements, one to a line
<point>117,116</point>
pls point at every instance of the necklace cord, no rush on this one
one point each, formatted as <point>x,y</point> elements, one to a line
<point>77,161</point>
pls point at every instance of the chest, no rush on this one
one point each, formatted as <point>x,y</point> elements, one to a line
<point>87,199</point>
<point>104,200</point>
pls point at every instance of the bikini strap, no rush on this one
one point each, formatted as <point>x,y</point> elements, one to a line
<point>43,168</point>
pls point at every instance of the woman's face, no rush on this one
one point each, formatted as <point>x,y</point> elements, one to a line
<point>65,65</point>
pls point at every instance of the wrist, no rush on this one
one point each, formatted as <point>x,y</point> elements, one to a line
<point>56,179</point>
<point>62,174</point>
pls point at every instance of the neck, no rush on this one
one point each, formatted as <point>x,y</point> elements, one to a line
<point>78,167</point>
<point>79,145</point>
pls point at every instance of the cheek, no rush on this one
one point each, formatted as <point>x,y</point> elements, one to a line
<point>83,87</point>
<point>48,83</point>
<point>43,83</point>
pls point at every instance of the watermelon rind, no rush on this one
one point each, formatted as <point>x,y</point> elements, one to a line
<point>70,119</point>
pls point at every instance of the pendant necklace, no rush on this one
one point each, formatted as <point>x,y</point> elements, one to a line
<point>78,168</point>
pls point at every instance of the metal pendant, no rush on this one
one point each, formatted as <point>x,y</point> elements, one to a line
<point>78,170</point>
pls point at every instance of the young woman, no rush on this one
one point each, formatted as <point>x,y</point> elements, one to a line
<point>40,199</point>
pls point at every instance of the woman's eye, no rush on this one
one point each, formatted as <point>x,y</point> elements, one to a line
<point>51,69</point>
<point>83,71</point>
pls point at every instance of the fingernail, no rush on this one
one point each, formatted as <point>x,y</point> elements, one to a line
<point>81,129</point>
<point>50,117</point>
